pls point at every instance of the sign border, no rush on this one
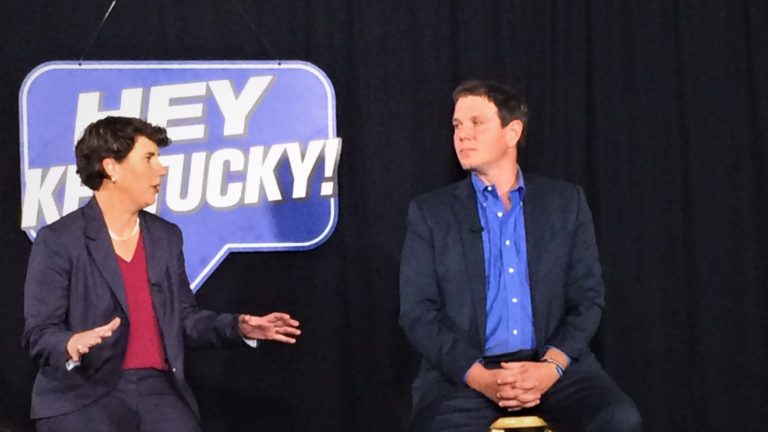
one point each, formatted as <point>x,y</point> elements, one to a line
<point>227,248</point>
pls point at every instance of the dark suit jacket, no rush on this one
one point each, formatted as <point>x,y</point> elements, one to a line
<point>74,284</point>
<point>443,289</point>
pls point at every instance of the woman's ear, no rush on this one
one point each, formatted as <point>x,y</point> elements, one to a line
<point>109,166</point>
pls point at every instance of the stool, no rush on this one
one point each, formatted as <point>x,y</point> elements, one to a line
<point>532,423</point>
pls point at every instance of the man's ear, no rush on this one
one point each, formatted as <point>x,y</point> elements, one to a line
<point>513,132</point>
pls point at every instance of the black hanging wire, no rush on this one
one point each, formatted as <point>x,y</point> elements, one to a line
<point>96,33</point>
<point>234,2</point>
<point>256,30</point>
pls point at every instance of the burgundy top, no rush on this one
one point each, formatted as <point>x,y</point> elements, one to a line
<point>145,347</point>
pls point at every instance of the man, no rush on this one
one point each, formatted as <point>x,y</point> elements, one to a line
<point>501,287</point>
<point>107,305</point>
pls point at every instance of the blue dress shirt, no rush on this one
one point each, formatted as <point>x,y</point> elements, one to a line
<point>509,325</point>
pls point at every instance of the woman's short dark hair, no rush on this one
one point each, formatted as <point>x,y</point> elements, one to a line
<point>510,104</point>
<point>111,137</point>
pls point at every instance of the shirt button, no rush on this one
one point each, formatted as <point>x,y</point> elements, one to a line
<point>507,242</point>
<point>499,214</point>
<point>514,332</point>
<point>514,299</point>
<point>511,270</point>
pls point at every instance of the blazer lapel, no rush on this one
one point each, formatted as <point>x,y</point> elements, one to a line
<point>103,254</point>
<point>535,231</point>
<point>154,245</point>
<point>470,231</point>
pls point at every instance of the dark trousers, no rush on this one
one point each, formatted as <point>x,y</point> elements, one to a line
<point>582,400</point>
<point>145,400</point>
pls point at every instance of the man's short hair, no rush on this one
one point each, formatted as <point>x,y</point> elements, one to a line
<point>510,103</point>
<point>111,137</point>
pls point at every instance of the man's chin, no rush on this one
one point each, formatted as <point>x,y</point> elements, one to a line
<point>466,165</point>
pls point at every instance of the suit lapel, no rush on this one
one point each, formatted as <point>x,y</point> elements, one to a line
<point>154,245</point>
<point>103,254</point>
<point>470,231</point>
<point>535,230</point>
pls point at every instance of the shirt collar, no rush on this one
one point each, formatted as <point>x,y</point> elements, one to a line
<point>484,191</point>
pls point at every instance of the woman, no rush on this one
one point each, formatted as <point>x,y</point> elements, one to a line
<point>108,308</point>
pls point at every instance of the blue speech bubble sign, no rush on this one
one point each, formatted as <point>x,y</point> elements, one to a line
<point>253,162</point>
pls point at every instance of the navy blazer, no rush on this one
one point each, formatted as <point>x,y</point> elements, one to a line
<point>74,284</point>
<point>443,288</point>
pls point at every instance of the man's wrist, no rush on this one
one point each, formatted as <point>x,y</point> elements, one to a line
<point>558,366</point>
<point>557,355</point>
<point>474,375</point>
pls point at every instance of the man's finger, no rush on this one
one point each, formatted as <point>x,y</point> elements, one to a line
<point>508,377</point>
<point>508,394</point>
<point>510,404</point>
<point>532,403</point>
<point>526,385</point>
<point>514,365</point>
<point>528,398</point>
<point>508,380</point>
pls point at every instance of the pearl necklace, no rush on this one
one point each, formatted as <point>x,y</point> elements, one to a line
<point>133,233</point>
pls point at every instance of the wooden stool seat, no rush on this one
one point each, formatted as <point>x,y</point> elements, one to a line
<point>520,422</point>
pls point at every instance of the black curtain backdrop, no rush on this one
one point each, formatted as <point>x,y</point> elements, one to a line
<point>659,109</point>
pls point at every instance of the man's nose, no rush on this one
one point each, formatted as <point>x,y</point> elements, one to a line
<point>462,133</point>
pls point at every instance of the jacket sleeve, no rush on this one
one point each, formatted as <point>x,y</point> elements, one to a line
<point>46,305</point>
<point>422,316</point>
<point>202,328</point>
